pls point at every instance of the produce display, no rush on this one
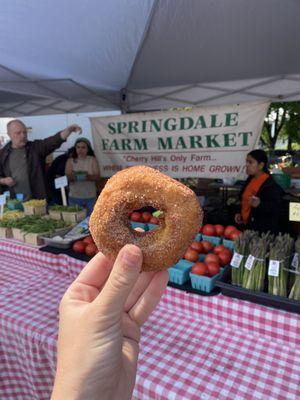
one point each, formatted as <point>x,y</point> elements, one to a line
<point>137,187</point>
<point>263,263</point>
<point>14,204</point>
<point>280,258</point>
<point>255,267</point>
<point>11,215</point>
<point>35,203</point>
<point>241,248</point>
<point>203,264</point>
<point>33,224</point>
<point>228,232</point>
<point>295,270</point>
<point>35,207</point>
<point>145,217</point>
<point>86,246</point>
<point>70,209</point>
<point>212,258</point>
<point>72,214</point>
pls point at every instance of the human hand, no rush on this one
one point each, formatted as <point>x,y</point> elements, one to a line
<point>99,330</point>
<point>238,218</point>
<point>8,181</point>
<point>254,201</point>
<point>71,176</point>
<point>69,129</point>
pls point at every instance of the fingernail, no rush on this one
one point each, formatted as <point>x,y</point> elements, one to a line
<point>131,256</point>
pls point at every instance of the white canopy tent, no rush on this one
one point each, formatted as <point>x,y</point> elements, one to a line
<point>63,56</point>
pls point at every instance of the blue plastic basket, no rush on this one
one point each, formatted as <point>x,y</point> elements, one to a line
<point>215,240</point>
<point>14,206</point>
<point>229,244</point>
<point>198,237</point>
<point>204,283</point>
<point>202,257</point>
<point>139,225</point>
<point>179,273</point>
<point>151,227</point>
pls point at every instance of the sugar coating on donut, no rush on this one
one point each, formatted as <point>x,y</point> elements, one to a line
<point>137,187</point>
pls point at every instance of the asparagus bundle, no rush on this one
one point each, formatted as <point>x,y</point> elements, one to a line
<point>295,292</point>
<point>241,252</point>
<point>280,252</point>
<point>255,266</point>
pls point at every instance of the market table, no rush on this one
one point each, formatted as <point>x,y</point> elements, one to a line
<point>192,347</point>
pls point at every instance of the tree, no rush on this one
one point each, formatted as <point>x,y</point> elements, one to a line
<point>283,120</point>
<point>292,125</point>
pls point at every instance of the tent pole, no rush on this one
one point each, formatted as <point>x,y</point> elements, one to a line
<point>123,101</point>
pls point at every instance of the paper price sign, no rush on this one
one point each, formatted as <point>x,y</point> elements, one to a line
<point>294,212</point>
<point>274,266</point>
<point>61,182</point>
<point>2,199</point>
<point>236,260</point>
<point>249,262</point>
<point>295,261</point>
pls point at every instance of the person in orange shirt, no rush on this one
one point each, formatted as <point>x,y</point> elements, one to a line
<point>261,197</point>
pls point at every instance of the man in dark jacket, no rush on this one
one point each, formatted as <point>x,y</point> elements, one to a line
<point>22,162</point>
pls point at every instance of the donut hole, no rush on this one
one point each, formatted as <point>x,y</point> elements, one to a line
<point>145,215</point>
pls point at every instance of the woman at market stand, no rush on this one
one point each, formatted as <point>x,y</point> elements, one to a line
<point>82,171</point>
<point>261,196</point>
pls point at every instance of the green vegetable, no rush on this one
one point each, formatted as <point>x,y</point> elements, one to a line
<point>157,213</point>
<point>65,208</point>
<point>36,224</point>
<point>241,246</point>
<point>295,292</point>
<point>35,203</point>
<point>254,278</point>
<point>280,250</point>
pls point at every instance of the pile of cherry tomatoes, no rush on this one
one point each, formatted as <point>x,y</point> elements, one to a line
<point>215,257</point>
<point>144,217</point>
<point>86,246</point>
<point>229,232</point>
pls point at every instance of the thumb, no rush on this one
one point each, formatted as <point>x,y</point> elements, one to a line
<point>124,275</point>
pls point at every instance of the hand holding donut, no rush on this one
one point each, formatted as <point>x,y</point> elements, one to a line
<point>254,201</point>
<point>105,306</point>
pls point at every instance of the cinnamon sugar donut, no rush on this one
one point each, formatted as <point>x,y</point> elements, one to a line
<point>132,189</point>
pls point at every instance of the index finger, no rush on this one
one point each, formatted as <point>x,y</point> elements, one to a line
<point>96,272</point>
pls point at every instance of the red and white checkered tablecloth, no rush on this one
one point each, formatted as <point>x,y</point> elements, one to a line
<point>192,347</point>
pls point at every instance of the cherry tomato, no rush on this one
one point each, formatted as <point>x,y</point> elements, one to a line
<point>219,230</point>
<point>91,250</point>
<point>218,249</point>
<point>212,258</point>
<point>153,220</point>
<point>191,255</point>
<point>79,246</point>
<point>209,230</point>
<point>146,216</point>
<point>213,268</point>
<point>225,257</point>
<point>235,234</point>
<point>197,246</point>
<point>207,246</point>
<point>199,268</point>
<point>228,230</point>
<point>136,216</point>
<point>88,240</point>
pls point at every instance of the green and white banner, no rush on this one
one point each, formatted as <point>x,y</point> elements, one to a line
<point>207,142</point>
